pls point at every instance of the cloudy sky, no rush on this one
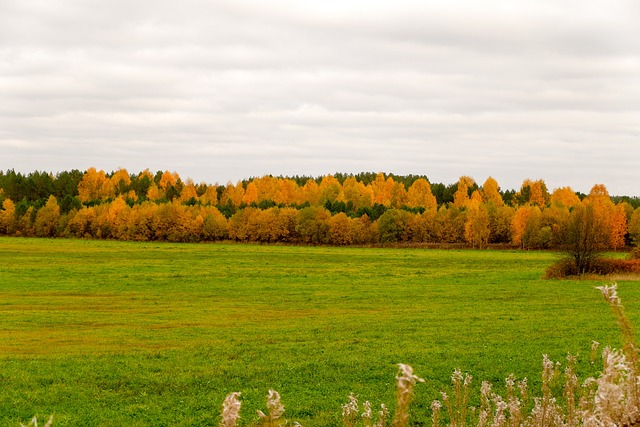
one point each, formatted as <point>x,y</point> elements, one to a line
<point>222,90</point>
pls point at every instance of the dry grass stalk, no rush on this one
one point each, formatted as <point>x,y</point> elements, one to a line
<point>231,410</point>
<point>350,411</point>
<point>406,382</point>
<point>275,409</point>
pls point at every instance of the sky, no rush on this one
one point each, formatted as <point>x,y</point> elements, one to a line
<point>222,90</point>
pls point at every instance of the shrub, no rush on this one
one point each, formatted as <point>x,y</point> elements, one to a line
<point>563,268</point>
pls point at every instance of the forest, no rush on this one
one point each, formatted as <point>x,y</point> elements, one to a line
<point>339,209</point>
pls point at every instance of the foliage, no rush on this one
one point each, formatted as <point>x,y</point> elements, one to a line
<point>322,210</point>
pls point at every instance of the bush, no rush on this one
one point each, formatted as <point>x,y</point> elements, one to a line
<point>563,268</point>
<point>567,267</point>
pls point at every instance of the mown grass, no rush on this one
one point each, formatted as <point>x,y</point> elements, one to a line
<point>121,333</point>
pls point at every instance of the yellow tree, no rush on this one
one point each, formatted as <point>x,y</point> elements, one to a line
<point>461,196</point>
<point>398,195</point>
<point>232,194</point>
<point>491,192</point>
<point>340,229</point>
<point>329,190</point>
<point>533,192</point>
<point>79,222</point>
<point>564,196</point>
<point>267,187</point>
<point>420,195</point>
<point>364,231</point>
<point>210,196</point>
<point>310,192</point>
<point>476,227</point>
<point>117,217</point>
<point>618,226</point>
<point>168,179</point>
<point>47,218</point>
<point>215,225</point>
<point>95,186</point>
<point>189,192</point>
<point>8,217</point>
<point>121,181</point>
<point>155,194</point>
<point>250,193</point>
<point>424,227</point>
<point>357,193</point>
<point>140,222</point>
<point>287,192</point>
<point>25,225</point>
<point>519,225</point>
<point>382,189</point>
<point>603,211</point>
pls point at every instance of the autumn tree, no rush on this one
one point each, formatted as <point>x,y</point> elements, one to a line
<point>120,180</point>
<point>533,192</point>
<point>450,221</point>
<point>329,190</point>
<point>8,217</point>
<point>79,223</point>
<point>461,196</point>
<point>340,229</point>
<point>232,194</point>
<point>140,222</point>
<point>519,225</point>
<point>382,189</point>
<point>564,196</point>
<point>283,224</point>
<point>95,186</point>
<point>215,225</point>
<point>500,223</point>
<point>394,226</point>
<point>312,225</point>
<point>491,192</point>
<point>356,193</point>
<point>209,196</point>
<point>420,195</point>
<point>586,237</point>
<point>287,192</point>
<point>617,227</point>
<point>155,193</point>
<point>310,193</point>
<point>47,218</point>
<point>476,229</point>
<point>424,227</point>
<point>634,227</point>
<point>189,194</point>
<point>238,224</point>
<point>364,231</point>
<point>24,225</point>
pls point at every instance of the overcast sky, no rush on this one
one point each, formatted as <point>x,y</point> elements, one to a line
<point>223,90</point>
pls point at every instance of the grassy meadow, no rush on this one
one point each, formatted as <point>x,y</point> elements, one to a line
<point>104,333</point>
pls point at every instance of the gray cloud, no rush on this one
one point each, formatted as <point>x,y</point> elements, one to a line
<point>225,90</point>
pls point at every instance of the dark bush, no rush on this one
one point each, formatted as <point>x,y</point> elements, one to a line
<point>566,267</point>
<point>560,269</point>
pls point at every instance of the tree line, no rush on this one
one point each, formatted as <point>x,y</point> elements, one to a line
<point>340,209</point>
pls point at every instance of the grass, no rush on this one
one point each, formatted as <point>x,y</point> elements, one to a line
<point>123,333</point>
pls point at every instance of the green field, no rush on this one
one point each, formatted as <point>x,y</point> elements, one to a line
<point>120,333</point>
